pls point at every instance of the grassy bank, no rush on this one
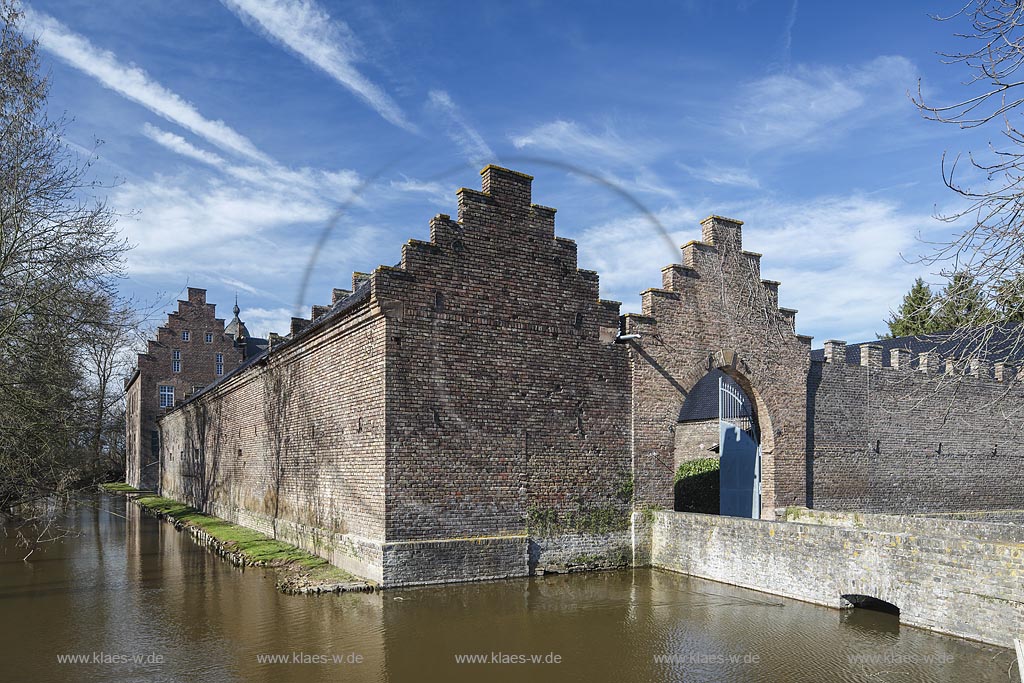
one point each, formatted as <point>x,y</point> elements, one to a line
<point>298,571</point>
<point>119,487</point>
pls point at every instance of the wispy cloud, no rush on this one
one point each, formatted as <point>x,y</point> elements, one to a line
<point>468,139</point>
<point>437,193</point>
<point>181,146</point>
<point>812,103</point>
<point>239,285</point>
<point>253,220</point>
<point>334,186</point>
<point>846,246</point>
<point>568,137</point>
<point>134,83</point>
<point>723,175</point>
<point>787,34</point>
<point>308,30</point>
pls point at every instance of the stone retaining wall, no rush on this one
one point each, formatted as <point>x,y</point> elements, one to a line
<point>953,577</point>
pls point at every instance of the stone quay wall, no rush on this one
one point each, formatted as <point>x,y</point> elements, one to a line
<point>959,578</point>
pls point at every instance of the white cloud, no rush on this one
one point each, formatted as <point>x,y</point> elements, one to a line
<point>437,193</point>
<point>262,321</point>
<point>134,84</point>
<point>181,146</point>
<point>838,258</point>
<point>571,139</point>
<point>306,29</point>
<point>465,136</point>
<point>810,103</point>
<point>239,285</point>
<point>337,186</point>
<point>723,175</point>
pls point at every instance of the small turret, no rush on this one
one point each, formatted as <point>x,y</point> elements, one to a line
<point>236,328</point>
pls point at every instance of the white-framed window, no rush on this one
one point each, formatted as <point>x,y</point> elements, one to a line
<point>209,337</point>
<point>186,335</point>
<point>176,354</point>
<point>219,358</point>
<point>166,396</point>
<point>175,366</point>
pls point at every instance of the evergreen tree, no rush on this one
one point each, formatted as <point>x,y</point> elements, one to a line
<point>916,314</point>
<point>1010,300</point>
<point>962,304</point>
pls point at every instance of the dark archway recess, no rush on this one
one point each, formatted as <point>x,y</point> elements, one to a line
<point>869,602</point>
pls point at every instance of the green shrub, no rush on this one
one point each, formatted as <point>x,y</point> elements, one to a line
<point>696,486</point>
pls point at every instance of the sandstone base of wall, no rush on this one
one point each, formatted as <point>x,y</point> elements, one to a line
<point>959,578</point>
<point>581,551</point>
<point>454,560</point>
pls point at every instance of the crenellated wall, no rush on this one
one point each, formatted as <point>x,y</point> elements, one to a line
<point>477,411</point>
<point>466,416</point>
<point>923,434</point>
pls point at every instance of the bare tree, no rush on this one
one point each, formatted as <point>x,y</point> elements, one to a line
<point>108,354</point>
<point>61,322</point>
<point>987,246</point>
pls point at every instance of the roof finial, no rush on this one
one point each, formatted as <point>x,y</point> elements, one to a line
<point>236,309</point>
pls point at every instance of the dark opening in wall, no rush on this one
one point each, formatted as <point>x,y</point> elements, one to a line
<point>870,603</point>
<point>696,486</point>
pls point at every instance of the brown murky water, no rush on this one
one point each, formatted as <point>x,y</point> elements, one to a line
<point>140,602</point>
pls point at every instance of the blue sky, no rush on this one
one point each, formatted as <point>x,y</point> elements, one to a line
<point>235,130</point>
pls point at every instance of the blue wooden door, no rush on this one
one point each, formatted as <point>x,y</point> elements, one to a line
<point>739,474</point>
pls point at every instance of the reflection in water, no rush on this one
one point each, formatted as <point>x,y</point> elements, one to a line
<point>131,587</point>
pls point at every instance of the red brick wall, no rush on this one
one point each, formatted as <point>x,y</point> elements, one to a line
<point>504,399</point>
<point>715,312</point>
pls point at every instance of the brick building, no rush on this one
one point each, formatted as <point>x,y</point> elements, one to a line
<point>477,411</point>
<point>193,349</point>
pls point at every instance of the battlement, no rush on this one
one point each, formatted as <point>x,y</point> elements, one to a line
<point>507,186</point>
<point>722,232</point>
<point>926,363</point>
<point>716,267</point>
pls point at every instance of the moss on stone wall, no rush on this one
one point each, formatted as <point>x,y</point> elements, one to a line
<point>542,522</point>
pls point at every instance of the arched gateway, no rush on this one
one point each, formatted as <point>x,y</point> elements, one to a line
<point>715,313</point>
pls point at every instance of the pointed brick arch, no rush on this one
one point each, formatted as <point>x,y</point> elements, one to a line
<point>732,364</point>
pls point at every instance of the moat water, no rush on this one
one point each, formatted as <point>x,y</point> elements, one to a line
<point>140,601</point>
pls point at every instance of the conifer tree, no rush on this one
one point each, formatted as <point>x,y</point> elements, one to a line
<point>916,314</point>
<point>962,304</point>
<point>1010,300</point>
